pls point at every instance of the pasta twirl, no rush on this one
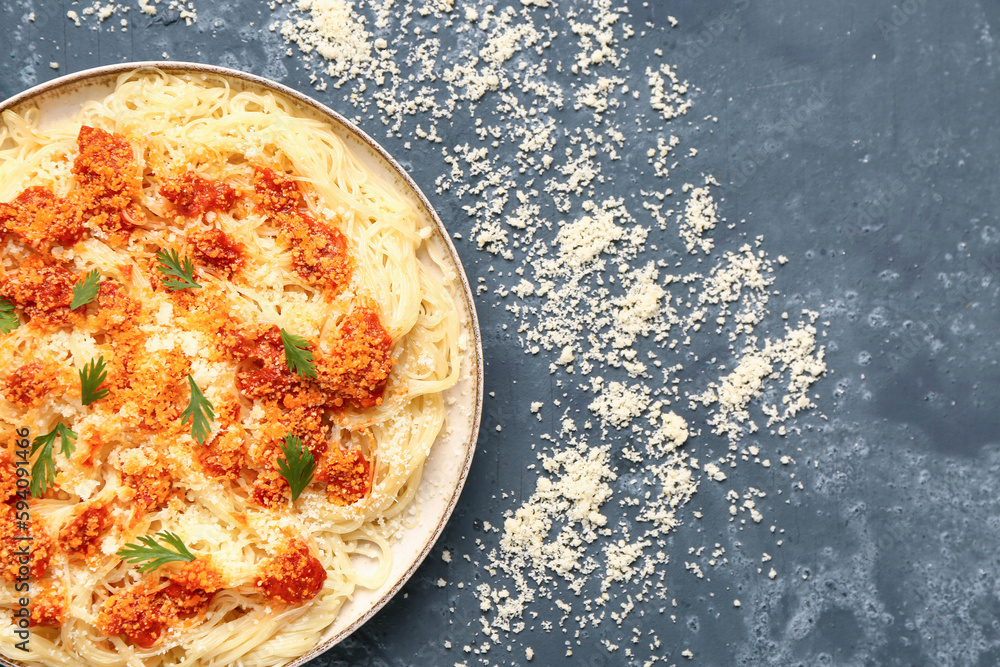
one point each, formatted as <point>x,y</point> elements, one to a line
<point>288,236</point>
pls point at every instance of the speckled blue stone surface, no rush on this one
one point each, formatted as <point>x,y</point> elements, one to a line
<point>860,139</point>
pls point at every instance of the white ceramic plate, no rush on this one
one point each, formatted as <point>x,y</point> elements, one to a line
<point>448,464</point>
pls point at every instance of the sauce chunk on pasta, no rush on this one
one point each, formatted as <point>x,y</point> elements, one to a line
<point>80,535</point>
<point>356,370</point>
<point>213,248</point>
<point>43,289</point>
<point>48,605</point>
<point>42,220</point>
<point>292,577</point>
<point>192,195</point>
<point>28,385</point>
<point>109,180</point>
<point>144,612</point>
<point>320,254</point>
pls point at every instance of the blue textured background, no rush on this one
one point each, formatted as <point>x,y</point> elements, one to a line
<point>859,137</point>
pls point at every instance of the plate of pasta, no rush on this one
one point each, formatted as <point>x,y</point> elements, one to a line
<point>240,367</point>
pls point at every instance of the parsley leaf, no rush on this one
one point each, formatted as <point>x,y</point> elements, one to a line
<point>200,412</point>
<point>152,555</point>
<point>43,470</point>
<point>86,290</point>
<point>8,319</point>
<point>177,273</point>
<point>93,376</point>
<point>298,356</point>
<point>297,466</point>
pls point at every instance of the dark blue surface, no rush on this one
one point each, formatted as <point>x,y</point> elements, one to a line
<point>859,137</point>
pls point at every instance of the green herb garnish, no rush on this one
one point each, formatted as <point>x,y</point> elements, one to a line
<point>297,466</point>
<point>43,470</point>
<point>8,319</point>
<point>93,376</point>
<point>85,291</point>
<point>153,555</point>
<point>200,412</point>
<point>298,356</point>
<point>178,273</point>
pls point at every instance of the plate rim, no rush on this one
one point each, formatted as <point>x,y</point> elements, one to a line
<point>172,66</point>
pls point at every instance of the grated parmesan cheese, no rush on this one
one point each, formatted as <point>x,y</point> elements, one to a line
<point>619,295</point>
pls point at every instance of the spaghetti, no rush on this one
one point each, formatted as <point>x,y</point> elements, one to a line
<point>288,235</point>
